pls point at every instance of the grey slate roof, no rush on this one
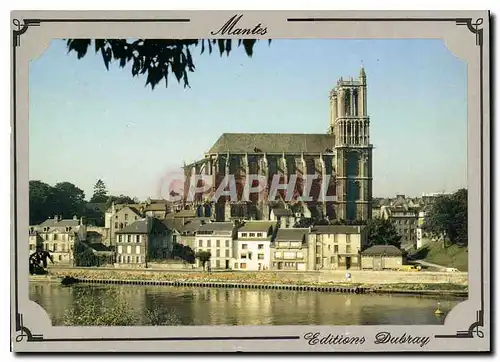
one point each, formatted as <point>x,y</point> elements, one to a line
<point>259,226</point>
<point>216,226</point>
<point>141,227</point>
<point>273,142</point>
<point>294,234</point>
<point>389,250</point>
<point>60,223</point>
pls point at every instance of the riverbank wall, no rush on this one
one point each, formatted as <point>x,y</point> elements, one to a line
<point>358,277</point>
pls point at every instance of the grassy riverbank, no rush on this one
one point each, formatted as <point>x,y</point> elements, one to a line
<point>257,278</point>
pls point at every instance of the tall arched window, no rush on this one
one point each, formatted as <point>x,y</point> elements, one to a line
<point>347,102</point>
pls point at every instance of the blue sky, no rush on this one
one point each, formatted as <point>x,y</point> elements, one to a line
<point>87,123</point>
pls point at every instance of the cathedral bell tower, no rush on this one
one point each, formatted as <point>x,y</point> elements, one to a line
<point>350,126</point>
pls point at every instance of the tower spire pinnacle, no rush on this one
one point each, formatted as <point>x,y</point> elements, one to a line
<point>362,73</point>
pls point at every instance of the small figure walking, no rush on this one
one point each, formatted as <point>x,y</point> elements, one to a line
<point>348,276</point>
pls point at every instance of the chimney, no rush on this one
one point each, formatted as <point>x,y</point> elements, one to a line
<point>56,218</point>
<point>74,217</point>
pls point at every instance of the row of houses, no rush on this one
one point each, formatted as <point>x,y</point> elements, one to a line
<point>251,245</point>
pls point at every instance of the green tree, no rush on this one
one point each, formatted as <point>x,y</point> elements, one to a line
<point>41,202</point>
<point>203,256</point>
<point>69,200</point>
<point>100,192</point>
<point>122,199</point>
<point>155,58</point>
<point>184,252</point>
<point>447,218</point>
<point>382,232</point>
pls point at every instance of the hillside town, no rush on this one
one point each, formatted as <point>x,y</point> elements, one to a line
<point>312,207</point>
<point>153,230</point>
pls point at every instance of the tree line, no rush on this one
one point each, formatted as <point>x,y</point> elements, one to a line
<point>67,200</point>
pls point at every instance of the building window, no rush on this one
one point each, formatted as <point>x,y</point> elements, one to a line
<point>55,236</point>
<point>60,257</point>
<point>129,238</point>
<point>243,265</point>
<point>138,259</point>
<point>227,243</point>
<point>244,246</point>
<point>243,256</point>
<point>137,238</point>
<point>200,243</point>
<point>217,253</point>
<point>32,247</point>
<point>217,263</point>
<point>116,225</point>
<point>252,235</point>
<point>318,249</point>
<point>55,247</point>
<point>348,249</point>
<point>300,255</point>
<point>128,258</point>
<point>243,235</point>
<point>260,246</point>
<point>335,248</point>
<point>209,243</point>
<point>119,238</point>
<point>125,224</point>
<point>136,218</point>
<point>260,256</point>
<point>277,255</point>
<point>129,249</point>
<point>332,259</point>
<point>119,249</point>
<point>227,253</point>
<point>289,255</point>
<point>217,243</point>
<point>137,249</point>
<point>348,238</point>
<point>259,235</point>
<point>318,261</point>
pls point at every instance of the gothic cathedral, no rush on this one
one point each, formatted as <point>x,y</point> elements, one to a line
<point>342,157</point>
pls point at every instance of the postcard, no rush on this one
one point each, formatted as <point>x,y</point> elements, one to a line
<point>250,181</point>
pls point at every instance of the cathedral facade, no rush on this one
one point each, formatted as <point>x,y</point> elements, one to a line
<point>326,176</point>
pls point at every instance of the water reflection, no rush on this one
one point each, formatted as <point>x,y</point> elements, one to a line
<point>207,306</point>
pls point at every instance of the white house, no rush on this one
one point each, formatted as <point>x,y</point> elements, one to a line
<point>253,245</point>
<point>217,238</point>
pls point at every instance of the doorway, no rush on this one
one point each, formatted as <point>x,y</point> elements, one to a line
<point>227,264</point>
<point>348,262</point>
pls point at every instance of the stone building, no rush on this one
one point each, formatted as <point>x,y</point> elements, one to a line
<point>121,218</point>
<point>336,246</point>
<point>142,241</point>
<point>253,245</point>
<point>340,159</point>
<point>184,233</point>
<point>382,257</point>
<point>217,238</point>
<point>58,236</point>
<point>403,213</point>
<point>289,250</point>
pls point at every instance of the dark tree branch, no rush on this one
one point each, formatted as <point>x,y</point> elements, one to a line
<point>155,58</point>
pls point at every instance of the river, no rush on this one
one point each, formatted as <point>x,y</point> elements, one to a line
<point>148,305</point>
